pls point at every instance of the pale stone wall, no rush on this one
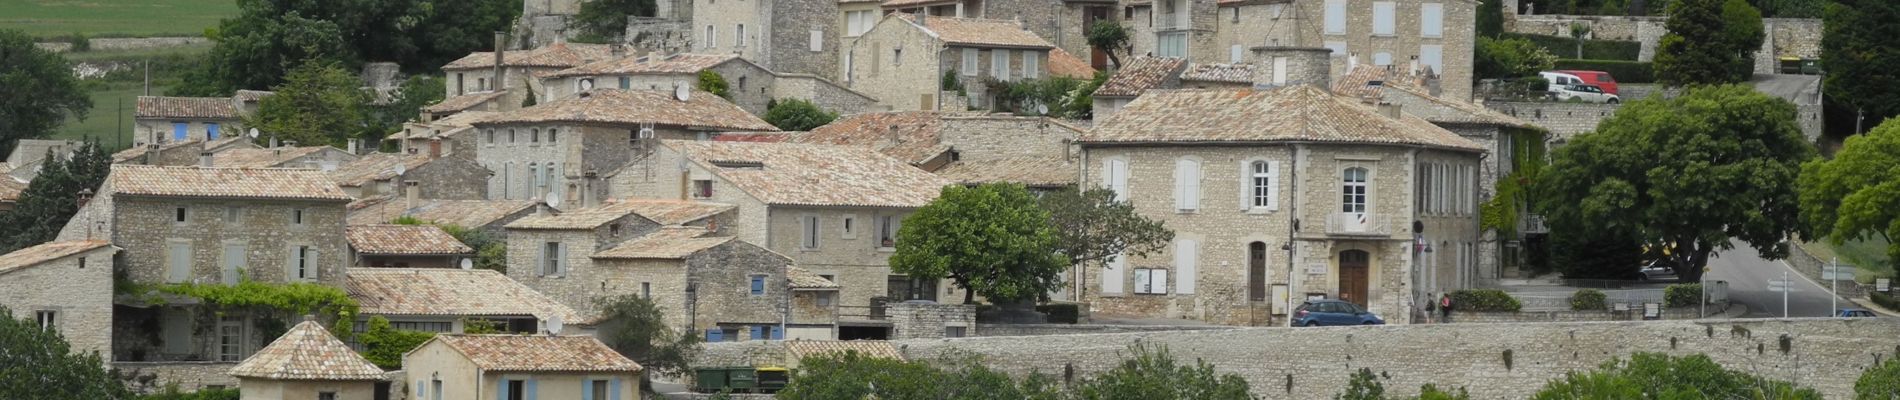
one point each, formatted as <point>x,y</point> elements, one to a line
<point>264,389</point>
<point>973,80</point>
<point>826,94</point>
<point>188,375</point>
<point>722,276</point>
<point>663,35</point>
<point>1079,329</point>
<point>436,361</point>
<point>145,228</point>
<point>1563,120</point>
<point>988,137</point>
<point>76,288</point>
<point>903,82</point>
<point>160,130</point>
<point>575,150</point>
<point>858,261</point>
<point>792,23</point>
<point>925,320</point>
<point>1784,37</point>
<point>725,17</point>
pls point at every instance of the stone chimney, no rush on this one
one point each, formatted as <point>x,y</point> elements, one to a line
<point>501,40</point>
<point>619,50</point>
<point>1304,66</point>
<point>541,207</point>
<point>652,57</point>
<point>355,146</point>
<point>411,191</point>
<point>435,148</point>
<point>1390,110</point>
<point>204,159</point>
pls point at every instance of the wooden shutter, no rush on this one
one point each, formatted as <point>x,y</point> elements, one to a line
<point>541,260</point>
<point>1193,177</point>
<point>613,389</point>
<point>527,391</point>
<point>560,261</point>
<point>1112,276</point>
<point>587,389</point>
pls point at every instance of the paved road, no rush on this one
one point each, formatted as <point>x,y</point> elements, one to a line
<point>1748,276</point>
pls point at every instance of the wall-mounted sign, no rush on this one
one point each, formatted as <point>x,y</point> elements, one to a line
<point>1316,269</point>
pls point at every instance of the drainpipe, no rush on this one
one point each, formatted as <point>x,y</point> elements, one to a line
<point>1081,276</point>
<point>1293,221</point>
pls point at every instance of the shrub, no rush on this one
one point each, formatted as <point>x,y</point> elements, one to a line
<point>1061,313</point>
<point>1484,300</point>
<point>1682,294</point>
<point>1661,376</point>
<point>81,43</point>
<point>1593,49</point>
<point>711,82</point>
<point>797,115</point>
<point>384,345</point>
<point>1510,58</point>
<point>1887,300</point>
<point>1880,382</point>
<point>1623,71</point>
<point>1589,300</point>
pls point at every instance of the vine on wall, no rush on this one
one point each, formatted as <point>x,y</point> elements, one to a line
<point>276,303</point>
<point>1528,160</point>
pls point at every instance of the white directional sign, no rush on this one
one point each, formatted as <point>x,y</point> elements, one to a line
<point>1779,285</point>
<point>1840,272</point>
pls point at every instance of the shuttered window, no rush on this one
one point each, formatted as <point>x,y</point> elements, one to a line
<point>1187,185</point>
<point>1186,265</point>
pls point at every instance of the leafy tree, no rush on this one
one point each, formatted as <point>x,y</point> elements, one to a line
<point>1108,36</point>
<point>1790,8</point>
<point>1363,385</point>
<point>636,328</point>
<point>490,252</point>
<point>1710,42</point>
<point>52,199</point>
<point>320,103</point>
<point>257,48</point>
<point>852,375</point>
<point>171,392</point>
<point>38,364</point>
<point>993,240</point>
<point>712,82</point>
<point>1691,172</point>
<point>1490,18</point>
<point>1882,382</point>
<point>1150,373</point>
<point>1851,197</point>
<point>1858,54</point>
<point>797,115</point>
<point>1661,376</point>
<point>384,345</point>
<point>37,91</point>
<point>1091,227</point>
<point>606,19</point>
<point>258,52</point>
<point>1580,252</point>
<point>1510,58</point>
<point>1578,32</point>
<point>405,103</point>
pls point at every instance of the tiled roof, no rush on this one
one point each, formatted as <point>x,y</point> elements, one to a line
<point>1042,172</point>
<point>673,64</point>
<point>1061,63</point>
<point>10,188</point>
<point>815,175</point>
<point>802,279</point>
<point>454,124</point>
<point>1229,73</point>
<point>307,352</point>
<point>44,252</point>
<point>1300,113</point>
<point>448,292</point>
<point>463,213</point>
<point>980,32</point>
<point>913,3</point>
<point>869,348</point>
<point>388,239</point>
<point>374,167</point>
<point>1358,81</point>
<point>538,353</point>
<point>911,136</point>
<point>134,152</point>
<point>261,157</point>
<point>463,102</point>
<point>252,96</point>
<point>230,183</point>
<point>674,212</point>
<point>185,107</point>
<point>561,55</point>
<point>1141,73</point>
<point>629,107</point>
<point>673,242</point>
<point>230,142</point>
<point>762,137</point>
<point>1373,82</point>
<point>1463,112</point>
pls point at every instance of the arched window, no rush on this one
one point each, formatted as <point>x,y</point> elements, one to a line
<point>534,135</point>
<point>551,132</point>
<point>1259,184</point>
<point>1353,190</point>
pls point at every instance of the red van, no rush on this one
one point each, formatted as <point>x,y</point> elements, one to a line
<point>1595,78</point>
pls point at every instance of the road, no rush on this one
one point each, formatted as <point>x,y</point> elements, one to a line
<point>1748,275</point>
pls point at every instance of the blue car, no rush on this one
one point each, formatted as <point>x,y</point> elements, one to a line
<point>1333,312</point>
<point>1853,313</point>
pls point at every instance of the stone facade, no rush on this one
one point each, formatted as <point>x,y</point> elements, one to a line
<point>264,231</point>
<point>435,367</point>
<point>1563,120</point>
<point>906,79</point>
<point>533,161</point>
<point>1081,329</point>
<point>189,376</point>
<point>791,36</point>
<point>749,86</point>
<point>664,35</point>
<point>929,320</point>
<point>1784,37</point>
<point>271,389</point>
<point>76,289</point>
<point>164,130</point>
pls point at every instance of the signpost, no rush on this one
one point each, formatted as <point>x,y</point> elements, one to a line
<point>1833,273</point>
<point>1883,285</point>
<point>1781,285</point>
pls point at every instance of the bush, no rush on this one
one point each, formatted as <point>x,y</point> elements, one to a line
<point>1061,313</point>
<point>710,82</point>
<point>1661,376</point>
<point>1880,382</point>
<point>1682,294</point>
<point>797,115</point>
<point>81,43</point>
<point>1623,71</point>
<point>1593,49</point>
<point>1509,58</point>
<point>1889,301</point>
<point>1484,300</point>
<point>1589,300</point>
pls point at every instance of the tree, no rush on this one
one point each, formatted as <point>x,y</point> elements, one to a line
<point>853,375</point>
<point>1091,227</point>
<point>993,240</point>
<point>712,82</point>
<point>1710,42</point>
<point>1578,32</point>
<point>603,20</point>
<point>1661,376</point>
<point>797,115</point>
<point>52,199</point>
<point>1858,55</point>
<point>1108,36</point>
<point>37,91</point>
<point>636,328</point>
<point>258,52</point>
<point>38,364</point>
<point>1150,373</point>
<point>384,345</point>
<point>405,103</point>
<point>1691,173</point>
<point>319,104</point>
<point>1882,382</point>
<point>1490,18</point>
<point>1363,385</point>
<point>490,253</point>
<point>255,49</point>
<point>1851,197</point>
<point>1510,58</point>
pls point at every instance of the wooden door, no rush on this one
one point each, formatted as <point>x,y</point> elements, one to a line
<point>1097,58</point>
<point>1353,269</point>
<point>1257,271</point>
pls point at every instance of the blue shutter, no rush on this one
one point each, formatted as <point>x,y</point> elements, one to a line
<point>758,285</point>
<point>178,131</point>
<point>777,334</point>
<point>626,83</point>
<point>504,391</point>
<point>613,388</point>
<point>758,332</point>
<point>211,131</point>
<point>587,389</point>
<point>420,390</point>
<point>712,335</point>
<point>528,392</point>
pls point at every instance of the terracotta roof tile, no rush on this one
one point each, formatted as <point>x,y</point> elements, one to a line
<point>135,152</point>
<point>261,157</point>
<point>1141,73</point>
<point>673,242</point>
<point>980,32</point>
<point>805,280</point>
<point>1300,113</point>
<point>869,348</point>
<point>233,183</point>
<point>307,352</point>
<point>375,167</point>
<point>388,239</point>
<point>667,65</point>
<point>1061,63</point>
<point>561,55</point>
<point>1462,112</point>
<point>762,137</point>
<point>814,175</point>
<point>1228,73</point>
<point>463,102</point>
<point>913,3</point>
<point>463,213</point>
<point>674,212</point>
<point>1039,172</point>
<point>537,353</point>
<point>185,107</point>
<point>44,252</point>
<point>629,107</point>
<point>911,136</point>
<point>448,292</point>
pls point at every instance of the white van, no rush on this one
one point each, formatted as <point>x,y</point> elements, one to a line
<point>1559,80</point>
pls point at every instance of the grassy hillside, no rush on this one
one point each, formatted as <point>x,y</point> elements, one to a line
<point>114,18</point>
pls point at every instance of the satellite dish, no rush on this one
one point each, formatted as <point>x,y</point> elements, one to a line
<point>468,264</point>
<point>554,325</point>
<point>554,199</point>
<point>1042,109</point>
<point>253,133</point>
<point>681,93</point>
<point>587,84</point>
<point>402,169</point>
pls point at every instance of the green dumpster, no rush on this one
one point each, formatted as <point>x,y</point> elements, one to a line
<point>709,380</point>
<point>742,379</point>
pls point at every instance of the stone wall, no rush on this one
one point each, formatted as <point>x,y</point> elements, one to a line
<point>1564,120</point>
<point>927,320</point>
<point>722,276</point>
<point>903,82</point>
<point>76,288</point>
<point>1784,37</point>
<point>1810,266</point>
<point>826,94</point>
<point>454,178</point>
<point>1679,313</point>
<point>1491,360</point>
<point>1077,329</point>
<point>189,376</point>
<point>993,136</point>
<point>645,34</point>
<point>145,228</point>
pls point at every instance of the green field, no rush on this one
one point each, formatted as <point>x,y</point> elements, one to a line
<point>114,18</point>
<point>102,122</point>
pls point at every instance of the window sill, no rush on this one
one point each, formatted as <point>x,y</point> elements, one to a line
<point>1187,212</point>
<point>1259,211</point>
<point>1385,35</point>
<point>1432,36</point>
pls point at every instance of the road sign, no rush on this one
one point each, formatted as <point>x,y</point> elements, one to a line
<point>1883,284</point>
<point>1841,272</point>
<point>1779,285</point>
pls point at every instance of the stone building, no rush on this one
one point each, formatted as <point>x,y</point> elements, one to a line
<point>1063,23</point>
<point>447,300</point>
<point>306,363</point>
<point>29,154</point>
<point>160,120</point>
<point>415,137</point>
<point>324,158</point>
<point>509,367</point>
<point>404,246</point>
<point>556,150</point>
<point>429,175</point>
<point>210,226</point>
<point>189,152</point>
<point>1356,174</point>
<point>64,286</point>
<point>1141,73</point>
<point>903,59</point>
<point>834,210</point>
<point>789,36</point>
<point>487,216</point>
<point>751,86</point>
<point>967,148</point>
<point>477,75</point>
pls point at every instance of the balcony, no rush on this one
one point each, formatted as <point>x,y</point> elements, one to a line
<point>1170,21</point>
<point>1358,224</point>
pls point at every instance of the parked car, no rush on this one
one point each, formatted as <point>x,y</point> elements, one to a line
<point>1658,270</point>
<point>1854,313</point>
<point>1597,78</point>
<point>1333,312</point>
<point>1587,94</point>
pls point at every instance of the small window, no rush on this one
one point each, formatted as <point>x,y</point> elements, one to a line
<point>326,396</point>
<point>517,389</point>
<point>758,285</point>
<point>296,216</point>
<point>702,188</point>
<point>739,35</point>
<point>511,136</point>
<point>646,290</point>
<point>897,56</point>
<point>551,259</point>
<point>305,265</point>
<point>48,319</point>
<point>82,263</point>
<point>1151,281</point>
<point>491,136</point>
<point>600,390</point>
<point>887,227</point>
<point>1260,185</point>
<point>970,67</point>
<point>954,331</point>
<point>1353,190</point>
<point>534,135</point>
<point>551,134</point>
<point>824,299</point>
<point>850,226</point>
<point>178,214</point>
<point>233,214</point>
<point>810,233</point>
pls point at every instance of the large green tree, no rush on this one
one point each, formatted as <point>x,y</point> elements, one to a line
<point>319,103</point>
<point>37,91</point>
<point>38,364</point>
<point>405,103</point>
<point>607,19</point>
<point>1092,227</point>
<point>1107,37</point>
<point>1858,55</point>
<point>1853,196</point>
<point>992,239</point>
<point>636,328</point>
<point>1661,376</point>
<point>1709,42</point>
<point>267,38</point>
<point>1692,172</point>
<point>52,199</point>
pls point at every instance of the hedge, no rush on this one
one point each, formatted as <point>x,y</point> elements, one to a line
<point>1484,300</point>
<point>1885,300</point>
<point>1682,294</point>
<point>1060,313</point>
<point>1623,71</point>
<point>1589,300</point>
<point>1593,49</point>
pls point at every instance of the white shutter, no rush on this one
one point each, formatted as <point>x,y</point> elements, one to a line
<point>999,64</point>
<point>1234,53</point>
<point>1279,71</point>
<point>1180,185</point>
<point>560,263</point>
<point>1273,186</point>
<point>1115,177</point>
<point>1382,59</point>
<point>314,264</point>
<point>1032,65</point>
<point>1193,177</point>
<point>817,40</point>
<point>1246,185</point>
<point>1383,18</point>
<point>970,67</point>
<point>1186,257</point>
<point>1112,276</point>
<point>1431,20</point>
<point>1335,16</point>
<point>541,259</point>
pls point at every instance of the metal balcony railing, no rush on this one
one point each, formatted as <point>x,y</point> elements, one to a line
<point>1358,224</point>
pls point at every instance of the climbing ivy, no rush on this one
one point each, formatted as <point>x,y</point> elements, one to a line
<point>1513,191</point>
<point>276,302</point>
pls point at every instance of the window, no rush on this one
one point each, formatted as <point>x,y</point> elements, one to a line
<point>1335,17</point>
<point>211,131</point>
<point>999,64</point>
<point>847,67</point>
<point>808,229</point>
<point>1032,65</point>
<point>1382,59</point>
<point>178,262</point>
<point>551,132</point>
<point>553,258</point>
<point>231,339</point>
<point>1260,185</point>
<point>49,319</point>
<point>597,390</point>
<point>296,216</point>
<point>824,299</point>
<point>82,263</point>
<point>1151,281</point>
<point>646,290</point>
<point>1353,190</point>
<point>850,226</point>
<point>858,22</point>
<point>1236,52</point>
<point>1115,177</point>
<point>511,135</point>
<point>180,131</point>
<point>1279,70</point>
<point>1432,55</point>
<point>491,136</point>
<point>1338,48</point>
<point>1431,20</point>
<point>712,37</point>
<point>897,56</point>
<point>887,227</point>
<point>515,389</point>
<point>1187,185</point>
<point>1112,276</point>
<point>758,285</point>
<point>625,83</point>
<point>1383,13</point>
<point>1257,271</point>
<point>178,214</point>
<point>702,188</point>
<point>817,40</point>
<point>970,67</point>
<point>422,326</point>
<point>233,262</point>
<point>738,36</point>
<point>534,135</point>
<point>1171,44</point>
<point>232,214</point>
<point>954,331</point>
<point>714,335</point>
<point>303,263</point>
<point>1187,259</point>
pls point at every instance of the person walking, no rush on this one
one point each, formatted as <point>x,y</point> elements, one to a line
<point>1444,307</point>
<point>1431,307</point>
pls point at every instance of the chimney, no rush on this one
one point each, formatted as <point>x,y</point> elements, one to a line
<point>501,40</point>
<point>273,142</point>
<point>411,190</point>
<point>1304,66</point>
<point>151,153</point>
<point>204,159</point>
<point>354,146</point>
<point>652,56</point>
<point>541,208</point>
<point>921,14</point>
<point>1390,110</point>
<point>435,148</point>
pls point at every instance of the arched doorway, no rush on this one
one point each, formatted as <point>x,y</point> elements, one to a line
<point>1354,265</point>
